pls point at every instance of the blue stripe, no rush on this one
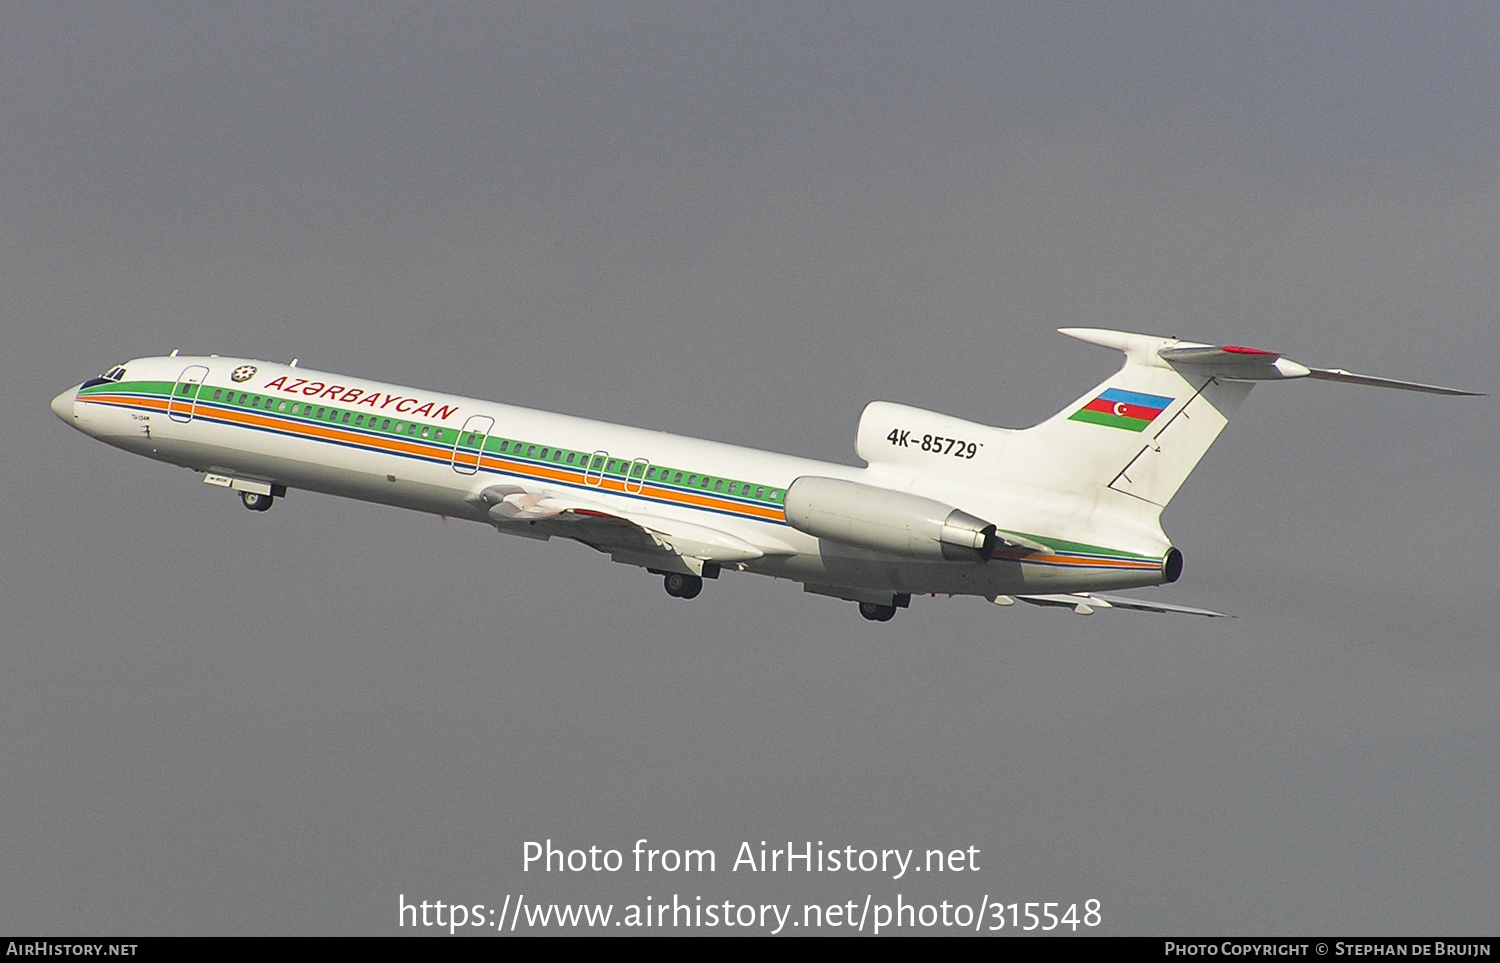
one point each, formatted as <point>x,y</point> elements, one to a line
<point>1135,398</point>
<point>443,456</point>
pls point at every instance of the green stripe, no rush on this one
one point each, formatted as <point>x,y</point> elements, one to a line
<point>500,446</point>
<point>1109,420</point>
<point>1083,548</point>
<point>159,389</point>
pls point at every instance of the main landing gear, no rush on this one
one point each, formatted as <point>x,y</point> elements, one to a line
<point>876,612</point>
<point>684,586</point>
<point>256,502</point>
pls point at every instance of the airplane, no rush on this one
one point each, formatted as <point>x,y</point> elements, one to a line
<point>1060,514</point>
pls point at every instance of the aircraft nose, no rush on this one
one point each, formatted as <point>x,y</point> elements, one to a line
<point>62,405</point>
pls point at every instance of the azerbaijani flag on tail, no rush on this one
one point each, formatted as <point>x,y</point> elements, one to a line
<point>1117,408</point>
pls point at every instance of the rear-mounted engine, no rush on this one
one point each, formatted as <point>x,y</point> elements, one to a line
<point>887,521</point>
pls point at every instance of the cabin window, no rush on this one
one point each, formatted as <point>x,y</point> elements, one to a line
<point>411,429</point>
<point>571,456</point>
<point>359,420</point>
<point>544,454</point>
<point>760,493</point>
<point>677,480</point>
<point>217,392</point>
<point>719,485</point>
<point>385,425</point>
<point>346,417</point>
<point>424,431</point>
<point>638,471</point>
<point>531,451</point>
<point>281,407</point>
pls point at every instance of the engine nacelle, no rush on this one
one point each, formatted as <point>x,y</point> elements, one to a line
<point>887,521</point>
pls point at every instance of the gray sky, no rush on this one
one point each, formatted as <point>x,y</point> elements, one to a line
<point>744,224</point>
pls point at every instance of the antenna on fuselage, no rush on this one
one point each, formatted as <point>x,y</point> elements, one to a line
<point>173,354</point>
<point>293,364</point>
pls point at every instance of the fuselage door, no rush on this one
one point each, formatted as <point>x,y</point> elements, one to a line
<point>470,443</point>
<point>593,474</point>
<point>184,398</point>
<point>635,480</point>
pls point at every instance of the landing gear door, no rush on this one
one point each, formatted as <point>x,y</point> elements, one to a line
<point>470,443</point>
<point>184,398</point>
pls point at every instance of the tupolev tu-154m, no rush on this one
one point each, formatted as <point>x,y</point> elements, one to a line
<point>1062,513</point>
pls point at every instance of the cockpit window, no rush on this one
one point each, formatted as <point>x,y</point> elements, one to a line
<point>117,373</point>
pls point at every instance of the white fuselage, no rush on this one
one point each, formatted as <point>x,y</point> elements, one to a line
<point>255,423</point>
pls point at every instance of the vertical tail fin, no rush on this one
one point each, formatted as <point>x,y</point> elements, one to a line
<point>1139,434</point>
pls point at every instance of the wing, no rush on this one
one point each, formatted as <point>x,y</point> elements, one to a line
<point>629,537</point>
<point>1085,603</point>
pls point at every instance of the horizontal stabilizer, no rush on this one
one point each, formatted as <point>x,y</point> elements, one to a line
<point>1339,374</point>
<point>1084,603</point>
<point>1253,364</point>
<point>1224,354</point>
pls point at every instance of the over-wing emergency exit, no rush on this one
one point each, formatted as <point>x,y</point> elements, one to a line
<point>1064,513</point>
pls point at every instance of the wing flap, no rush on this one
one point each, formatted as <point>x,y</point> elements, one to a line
<point>611,530</point>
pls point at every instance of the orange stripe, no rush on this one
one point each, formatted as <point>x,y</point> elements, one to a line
<point>434,450</point>
<point>618,485</point>
<point>1143,564</point>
